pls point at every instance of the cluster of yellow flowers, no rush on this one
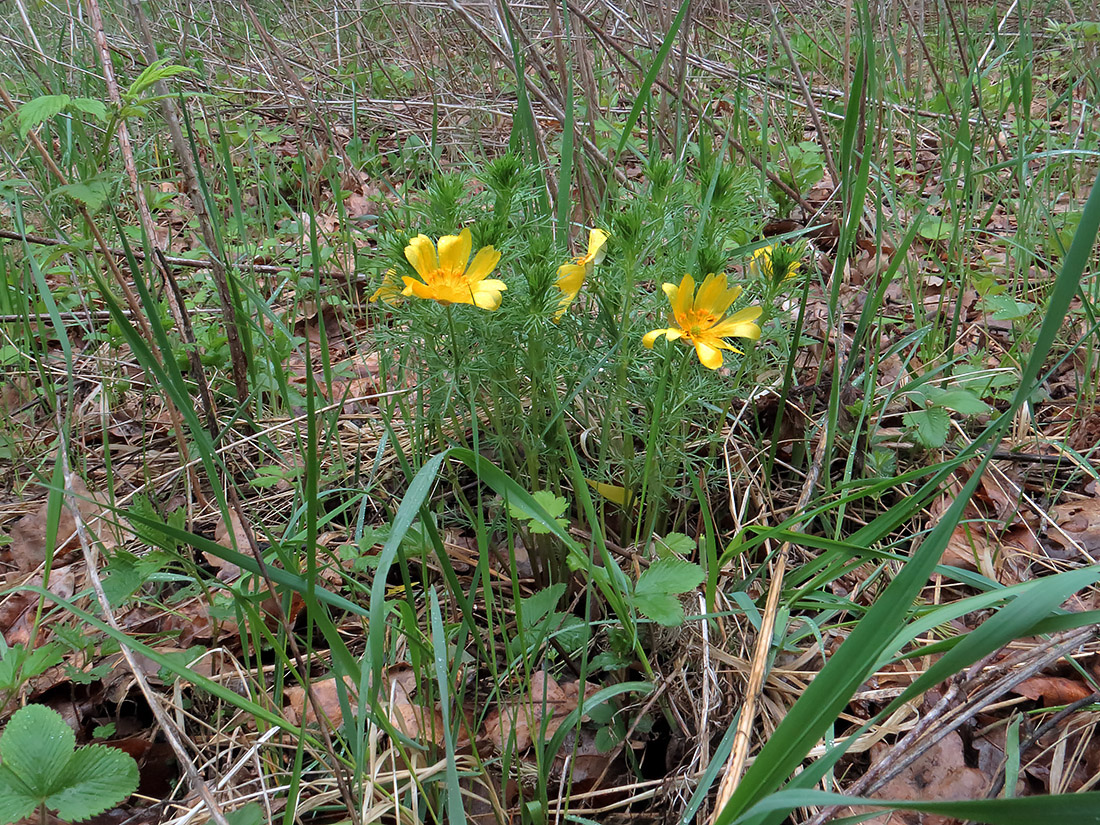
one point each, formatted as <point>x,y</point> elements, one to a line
<point>449,276</point>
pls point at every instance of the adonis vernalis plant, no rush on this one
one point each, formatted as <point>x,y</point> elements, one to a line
<point>449,276</point>
<point>777,263</point>
<point>571,276</point>
<point>699,318</point>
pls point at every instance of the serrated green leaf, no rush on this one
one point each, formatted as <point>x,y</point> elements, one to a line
<point>554,505</point>
<point>663,608</point>
<point>39,110</point>
<point>160,70</point>
<point>17,665</point>
<point>676,544</point>
<point>96,778</point>
<point>36,746</point>
<point>92,194</point>
<point>962,401</point>
<point>90,106</point>
<point>16,800</point>
<point>151,536</point>
<point>929,426</point>
<point>538,605</point>
<point>606,739</point>
<point>669,576</point>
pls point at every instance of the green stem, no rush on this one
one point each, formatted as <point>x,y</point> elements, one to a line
<point>648,501</point>
<point>457,367</point>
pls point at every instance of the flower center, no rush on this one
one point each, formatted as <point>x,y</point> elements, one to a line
<point>697,321</point>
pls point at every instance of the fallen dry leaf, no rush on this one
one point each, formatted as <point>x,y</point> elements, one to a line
<point>232,536</point>
<point>940,773</point>
<point>969,548</point>
<point>519,722</point>
<point>1052,690</point>
<point>327,693</point>
<point>18,609</point>
<point>29,535</point>
<point>1078,521</point>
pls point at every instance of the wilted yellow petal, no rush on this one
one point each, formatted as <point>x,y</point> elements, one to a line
<point>613,493</point>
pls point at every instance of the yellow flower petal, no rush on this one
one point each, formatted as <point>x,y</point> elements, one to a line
<point>710,357</point>
<point>685,294</point>
<point>712,291</point>
<point>415,287</point>
<point>390,290</point>
<point>597,240</point>
<point>487,294</point>
<point>484,262</point>
<point>698,318</point>
<point>570,279</point>
<point>762,261</point>
<point>421,254</point>
<point>454,251</point>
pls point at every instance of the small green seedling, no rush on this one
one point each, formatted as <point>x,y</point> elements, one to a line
<point>43,769</point>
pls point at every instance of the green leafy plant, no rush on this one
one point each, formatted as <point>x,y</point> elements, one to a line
<point>929,424</point>
<point>42,769</point>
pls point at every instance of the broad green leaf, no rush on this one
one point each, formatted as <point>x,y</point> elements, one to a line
<point>669,576</point>
<point>538,605</point>
<point>655,594</point>
<point>676,544</point>
<point>39,110</point>
<point>1007,308</point>
<point>250,814</point>
<point>930,426</point>
<point>96,778</point>
<point>160,70</point>
<point>962,401</point>
<point>36,746</point>
<point>663,608</point>
<point>938,228</point>
<point>92,194</point>
<point>16,799</point>
<point>90,106</point>
<point>17,665</point>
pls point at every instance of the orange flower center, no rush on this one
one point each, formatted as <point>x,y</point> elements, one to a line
<point>695,322</point>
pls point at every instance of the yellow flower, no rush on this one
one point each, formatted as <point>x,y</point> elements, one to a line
<point>571,276</point>
<point>451,277</point>
<point>390,289</point>
<point>764,260</point>
<point>698,318</point>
